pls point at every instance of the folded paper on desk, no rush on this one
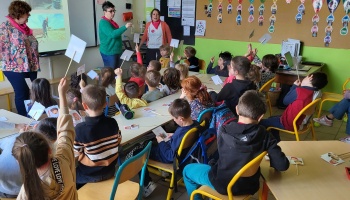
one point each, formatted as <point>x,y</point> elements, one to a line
<point>159,131</point>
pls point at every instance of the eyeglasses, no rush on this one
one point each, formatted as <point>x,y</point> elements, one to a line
<point>111,11</point>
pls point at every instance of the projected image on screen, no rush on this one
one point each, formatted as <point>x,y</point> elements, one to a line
<point>48,27</point>
<point>45,4</point>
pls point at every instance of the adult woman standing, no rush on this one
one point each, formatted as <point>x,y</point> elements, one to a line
<point>19,52</point>
<point>156,34</point>
<point>110,36</point>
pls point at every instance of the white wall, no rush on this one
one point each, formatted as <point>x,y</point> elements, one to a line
<point>91,57</point>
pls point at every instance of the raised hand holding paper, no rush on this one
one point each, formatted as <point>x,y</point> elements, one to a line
<point>136,38</point>
<point>81,70</point>
<point>75,50</point>
<point>36,111</point>
<point>174,43</point>
<point>92,74</point>
<point>126,56</point>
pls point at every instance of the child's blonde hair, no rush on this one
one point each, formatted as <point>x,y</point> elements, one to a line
<point>166,48</point>
<point>137,70</point>
<point>152,78</point>
<point>183,69</point>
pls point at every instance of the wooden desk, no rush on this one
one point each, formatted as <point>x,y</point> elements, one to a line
<point>12,118</point>
<point>317,179</point>
<point>289,76</point>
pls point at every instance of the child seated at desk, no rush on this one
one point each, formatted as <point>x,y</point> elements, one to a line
<point>108,82</point>
<point>75,106</point>
<point>183,69</point>
<point>238,143</point>
<point>130,94</point>
<point>41,93</point>
<point>152,80</point>
<point>171,79</point>
<point>300,95</point>
<point>96,162</point>
<point>191,59</point>
<point>222,68</point>
<point>269,65</point>
<point>165,53</point>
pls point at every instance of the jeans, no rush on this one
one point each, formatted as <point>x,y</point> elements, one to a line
<point>338,111</point>
<point>20,87</point>
<point>111,60</point>
<point>274,121</point>
<point>196,175</point>
<point>152,54</point>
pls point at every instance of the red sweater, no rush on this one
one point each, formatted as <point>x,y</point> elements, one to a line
<point>304,97</point>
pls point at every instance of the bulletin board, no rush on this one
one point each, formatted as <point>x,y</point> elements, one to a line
<point>285,24</point>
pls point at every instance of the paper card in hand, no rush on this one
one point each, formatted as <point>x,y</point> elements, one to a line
<point>159,131</point>
<point>52,111</point>
<point>126,55</point>
<point>27,104</point>
<point>136,37</point>
<point>36,111</point>
<point>265,38</point>
<point>92,74</point>
<point>217,80</point>
<point>76,45</point>
<point>332,158</point>
<point>174,43</point>
<point>29,83</point>
<point>295,160</point>
<point>81,70</point>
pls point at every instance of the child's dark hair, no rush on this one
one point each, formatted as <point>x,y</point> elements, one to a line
<point>107,76</point>
<point>194,87</point>
<point>171,78</point>
<point>31,150</point>
<point>155,64</point>
<point>166,48</point>
<point>180,108</point>
<point>48,127</point>
<point>319,80</point>
<point>271,62</point>
<point>106,5</point>
<point>226,56</point>
<point>75,80</point>
<point>41,92</point>
<point>252,104</point>
<point>152,78</point>
<point>137,70</point>
<point>131,89</point>
<point>94,97</point>
<point>190,51</point>
<point>74,100</point>
<point>244,68</point>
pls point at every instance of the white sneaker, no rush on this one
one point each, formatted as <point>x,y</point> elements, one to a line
<point>324,121</point>
<point>149,189</point>
<point>345,139</point>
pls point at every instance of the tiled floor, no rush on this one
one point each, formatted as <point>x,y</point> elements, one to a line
<point>322,133</point>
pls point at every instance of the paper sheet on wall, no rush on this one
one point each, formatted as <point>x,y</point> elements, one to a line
<point>157,4</point>
<point>174,12</point>
<point>174,3</point>
<point>189,8</point>
<point>187,21</point>
<point>187,31</point>
<point>200,27</point>
<point>150,3</point>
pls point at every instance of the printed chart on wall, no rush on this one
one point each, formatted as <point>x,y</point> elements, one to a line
<point>319,23</point>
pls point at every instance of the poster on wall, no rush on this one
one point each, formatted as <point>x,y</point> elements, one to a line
<point>200,27</point>
<point>174,12</point>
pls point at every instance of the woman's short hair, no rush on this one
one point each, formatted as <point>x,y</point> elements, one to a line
<point>19,8</point>
<point>106,5</point>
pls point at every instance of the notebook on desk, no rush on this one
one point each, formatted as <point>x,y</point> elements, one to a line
<point>290,63</point>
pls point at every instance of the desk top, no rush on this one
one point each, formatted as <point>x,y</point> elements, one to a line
<point>12,118</point>
<point>317,179</point>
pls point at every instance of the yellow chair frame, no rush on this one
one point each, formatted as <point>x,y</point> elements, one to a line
<point>266,88</point>
<point>187,141</point>
<point>334,97</point>
<point>307,110</point>
<point>247,170</point>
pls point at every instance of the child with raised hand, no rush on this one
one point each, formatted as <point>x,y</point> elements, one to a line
<point>191,59</point>
<point>171,79</point>
<point>300,95</point>
<point>96,162</point>
<point>246,76</point>
<point>153,80</point>
<point>269,66</point>
<point>165,53</point>
<point>41,171</point>
<point>196,94</point>
<point>238,143</point>
<point>41,93</point>
<point>131,95</point>
<point>222,68</point>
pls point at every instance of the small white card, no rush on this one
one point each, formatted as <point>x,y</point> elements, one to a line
<point>137,38</point>
<point>3,119</point>
<point>36,111</point>
<point>81,70</point>
<point>29,83</point>
<point>126,55</point>
<point>174,43</point>
<point>52,111</point>
<point>332,158</point>
<point>217,80</point>
<point>295,160</point>
<point>159,131</point>
<point>265,38</point>
<point>92,74</point>
<point>27,103</point>
<point>76,45</point>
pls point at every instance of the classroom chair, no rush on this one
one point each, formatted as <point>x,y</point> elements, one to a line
<point>308,110</point>
<point>205,115</point>
<point>247,170</point>
<point>110,100</point>
<point>125,189</point>
<point>202,66</point>
<point>154,166</point>
<point>265,89</point>
<point>330,96</point>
